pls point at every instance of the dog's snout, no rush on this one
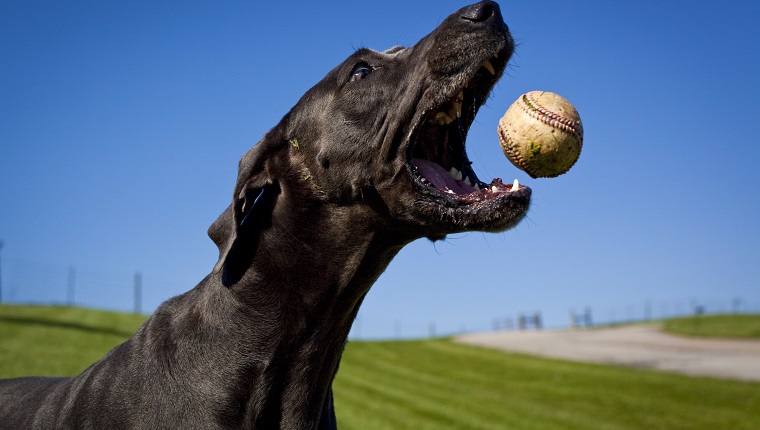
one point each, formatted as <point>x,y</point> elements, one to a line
<point>482,11</point>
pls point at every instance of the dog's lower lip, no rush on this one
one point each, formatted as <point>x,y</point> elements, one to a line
<point>451,185</point>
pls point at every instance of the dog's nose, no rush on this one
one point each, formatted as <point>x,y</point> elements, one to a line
<point>482,11</point>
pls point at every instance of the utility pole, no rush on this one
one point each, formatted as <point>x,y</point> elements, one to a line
<point>72,282</point>
<point>138,292</point>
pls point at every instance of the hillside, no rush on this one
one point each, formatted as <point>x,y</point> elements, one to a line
<point>431,384</point>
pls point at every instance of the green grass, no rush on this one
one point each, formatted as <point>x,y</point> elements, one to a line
<point>432,384</point>
<point>442,385</point>
<point>60,341</point>
<point>731,326</point>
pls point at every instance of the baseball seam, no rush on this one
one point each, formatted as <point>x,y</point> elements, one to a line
<point>530,106</point>
<point>514,155</point>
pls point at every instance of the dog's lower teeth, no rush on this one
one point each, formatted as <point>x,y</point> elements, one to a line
<point>467,181</point>
<point>515,186</point>
<point>494,189</point>
<point>455,174</point>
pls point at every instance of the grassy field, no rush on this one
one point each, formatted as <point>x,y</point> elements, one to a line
<point>733,326</point>
<point>431,384</point>
<point>41,340</point>
<point>442,385</point>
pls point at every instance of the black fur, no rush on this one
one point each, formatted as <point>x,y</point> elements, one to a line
<point>322,204</point>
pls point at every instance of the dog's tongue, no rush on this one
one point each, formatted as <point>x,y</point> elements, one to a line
<point>439,177</point>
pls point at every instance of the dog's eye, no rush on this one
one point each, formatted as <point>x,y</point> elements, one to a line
<point>360,71</point>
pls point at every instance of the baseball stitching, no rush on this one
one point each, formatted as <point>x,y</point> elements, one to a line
<point>512,153</point>
<point>530,106</point>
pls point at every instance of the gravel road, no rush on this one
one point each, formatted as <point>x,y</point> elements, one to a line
<point>644,346</point>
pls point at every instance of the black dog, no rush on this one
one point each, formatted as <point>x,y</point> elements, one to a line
<point>370,159</point>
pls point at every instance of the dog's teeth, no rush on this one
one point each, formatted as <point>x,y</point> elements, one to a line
<point>477,186</point>
<point>494,189</point>
<point>450,191</point>
<point>457,109</point>
<point>496,54</point>
<point>455,174</point>
<point>456,105</point>
<point>515,186</point>
<point>442,118</point>
<point>467,181</point>
<point>488,66</point>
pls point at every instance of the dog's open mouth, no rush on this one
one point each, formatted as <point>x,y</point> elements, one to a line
<point>438,159</point>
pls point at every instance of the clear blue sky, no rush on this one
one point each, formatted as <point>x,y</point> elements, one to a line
<point>121,125</point>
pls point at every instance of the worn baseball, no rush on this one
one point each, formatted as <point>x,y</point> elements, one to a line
<point>541,134</point>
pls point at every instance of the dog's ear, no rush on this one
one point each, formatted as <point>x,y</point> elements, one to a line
<point>236,231</point>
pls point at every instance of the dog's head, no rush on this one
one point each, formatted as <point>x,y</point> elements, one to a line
<point>384,133</point>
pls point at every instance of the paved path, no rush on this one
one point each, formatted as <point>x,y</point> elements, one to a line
<point>636,346</point>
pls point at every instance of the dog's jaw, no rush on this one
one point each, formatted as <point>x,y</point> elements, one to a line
<point>447,194</point>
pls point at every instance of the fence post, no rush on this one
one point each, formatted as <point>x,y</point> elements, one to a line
<point>138,292</point>
<point>71,285</point>
<point>735,305</point>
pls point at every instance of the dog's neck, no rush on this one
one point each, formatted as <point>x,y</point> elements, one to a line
<point>300,295</point>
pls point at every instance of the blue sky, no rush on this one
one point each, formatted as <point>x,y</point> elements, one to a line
<point>121,124</point>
